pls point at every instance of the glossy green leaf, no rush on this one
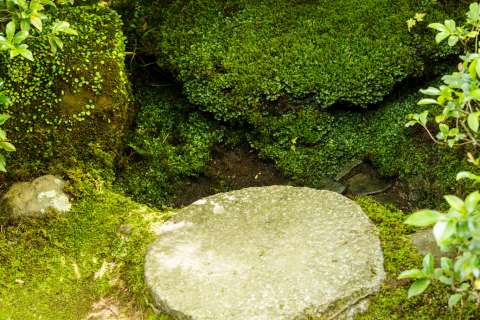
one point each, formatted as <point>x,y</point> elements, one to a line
<point>412,274</point>
<point>3,163</point>
<point>467,175</point>
<point>428,264</point>
<point>4,118</point>
<point>10,31</point>
<point>473,13</point>
<point>471,201</point>
<point>453,40</point>
<point>423,218</point>
<point>25,25</point>
<point>443,230</point>
<point>473,122</point>
<point>450,25</point>
<point>7,146</point>
<point>454,300</point>
<point>36,21</point>
<point>20,37</point>
<point>418,287</point>
<point>437,26</point>
<point>431,91</point>
<point>455,202</point>
<point>427,101</point>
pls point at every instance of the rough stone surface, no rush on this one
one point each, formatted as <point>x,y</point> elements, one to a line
<point>265,254</point>
<point>363,184</point>
<point>35,199</point>
<point>425,243</point>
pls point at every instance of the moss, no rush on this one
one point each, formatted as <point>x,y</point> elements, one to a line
<point>399,254</point>
<point>48,268</point>
<point>233,56</point>
<point>67,107</point>
<point>310,144</point>
<point>172,141</point>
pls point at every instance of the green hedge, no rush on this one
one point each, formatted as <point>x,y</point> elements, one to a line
<point>234,57</point>
<point>72,106</point>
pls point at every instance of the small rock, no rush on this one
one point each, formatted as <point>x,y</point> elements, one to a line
<point>425,243</point>
<point>34,199</point>
<point>330,185</point>
<point>363,184</point>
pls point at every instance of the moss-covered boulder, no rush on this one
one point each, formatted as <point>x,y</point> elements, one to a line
<point>237,57</point>
<point>71,106</point>
<point>70,266</point>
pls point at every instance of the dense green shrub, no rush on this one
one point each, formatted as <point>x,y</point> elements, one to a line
<point>73,105</point>
<point>233,56</point>
<point>311,144</point>
<point>171,141</point>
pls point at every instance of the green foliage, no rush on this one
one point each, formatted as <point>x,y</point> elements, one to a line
<point>26,21</point>
<point>457,230</point>
<point>171,142</point>
<point>71,106</point>
<point>5,144</point>
<point>399,254</point>
<point>457,106</point>
<point>233,56</point>
<point>457,101</point>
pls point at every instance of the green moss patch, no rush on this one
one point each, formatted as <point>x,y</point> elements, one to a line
<point>172,141</point>
<point>51,270</point>
<point>310,144</point>
<point>70,106</point>
<point>233,56</point>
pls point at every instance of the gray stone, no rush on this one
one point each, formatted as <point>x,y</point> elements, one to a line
<point>330,185</point>
<point>363,184</point>
<point>424,242</point>
<point>347,168</point>
<point>269,253</point>
<point>34,199</point>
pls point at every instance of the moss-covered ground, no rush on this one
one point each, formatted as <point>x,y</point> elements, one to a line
<point>91,261</point>
<point>87,262</point>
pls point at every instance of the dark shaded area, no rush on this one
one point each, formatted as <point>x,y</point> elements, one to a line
<point>230,169</point>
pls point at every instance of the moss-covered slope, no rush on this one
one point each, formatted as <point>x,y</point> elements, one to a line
<point>70,106</point>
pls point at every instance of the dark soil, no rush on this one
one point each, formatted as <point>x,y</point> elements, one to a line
<point>230,169</point>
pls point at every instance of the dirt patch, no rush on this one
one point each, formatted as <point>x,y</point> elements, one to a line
<point>110,309</point>
<point>230,169</point>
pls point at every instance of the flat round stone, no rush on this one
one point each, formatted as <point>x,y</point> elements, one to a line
<point>265,253</point>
